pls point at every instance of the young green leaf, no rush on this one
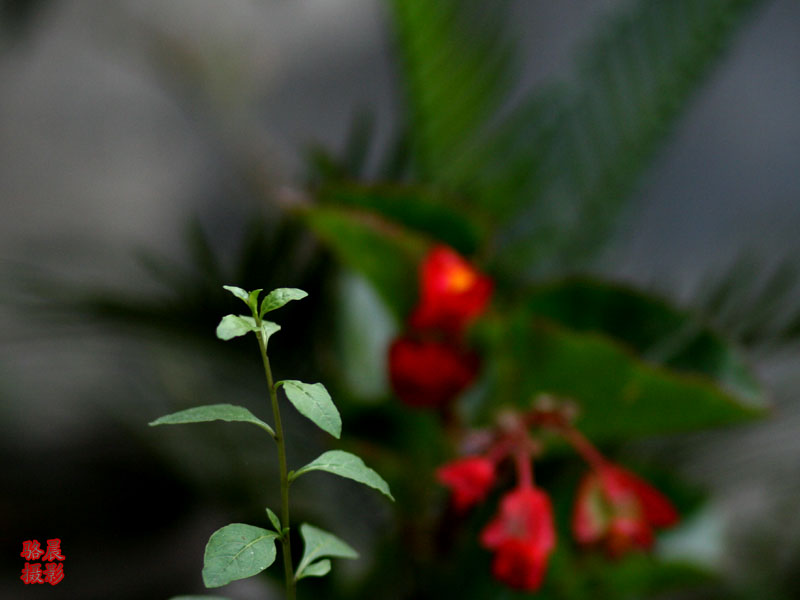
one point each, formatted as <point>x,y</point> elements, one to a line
<point>252,299</point>
<point>237,291</point>
<point>314,402</point>
<point>267,329</point>
<point>345,464</point>
<point>237,551</point>
<point>232,326</point>
<point>213,412</point>
<point>273,518</point>
<point>318,543</point>
<point>317,569</point>
<point>277,298</point>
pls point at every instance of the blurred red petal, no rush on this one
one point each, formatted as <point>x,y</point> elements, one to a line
<point>427,373</point>
<point>469,480</point>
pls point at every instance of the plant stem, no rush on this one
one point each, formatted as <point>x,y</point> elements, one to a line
<point>584,447</point>
<point>279,439</point>
<point>522,459</point>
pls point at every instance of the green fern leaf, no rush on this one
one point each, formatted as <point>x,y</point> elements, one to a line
<point>636,77</point>
<point>753,304</point>
<point>457,67</point>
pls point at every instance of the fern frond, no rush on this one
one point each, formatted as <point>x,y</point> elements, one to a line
<point>457,66</point>
<point>753,304</point>
<point>636,77</point>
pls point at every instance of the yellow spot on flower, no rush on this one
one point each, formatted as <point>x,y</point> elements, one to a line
<point>460,278</point>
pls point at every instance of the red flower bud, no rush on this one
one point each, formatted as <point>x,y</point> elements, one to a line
<point>469,480</point>
<point>615,508</point>
<point>429,373</point>
<point>522,536</point>
<point>452,292</point>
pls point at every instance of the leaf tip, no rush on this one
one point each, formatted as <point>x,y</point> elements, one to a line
<point>236,291</point>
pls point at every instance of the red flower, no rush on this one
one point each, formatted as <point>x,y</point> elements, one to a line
<point>615,508</point>
<point>520,565</point>
<point>522,536</point>
<point>429,373</point>
<point>469,479</point>
<point>452,292</point>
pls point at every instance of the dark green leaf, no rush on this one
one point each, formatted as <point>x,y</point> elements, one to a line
<point>456,68</point>
<point>619,395</point>
<point>277,298</point>
<point>232,326</point>
<point>650,327</point>
<point>314,402</point>
<point>347,465</point>
<point>420,209</point>
<point>635,575</point>
<point>237,551</point>
<point>213,412</point>
<point>510,169</point>
<point>386,255</point>
<point>317,544</point>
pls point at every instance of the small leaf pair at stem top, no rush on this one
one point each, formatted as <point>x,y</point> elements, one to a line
<point>233,326</point>
<point>240,550</point>
<point>311,400</point>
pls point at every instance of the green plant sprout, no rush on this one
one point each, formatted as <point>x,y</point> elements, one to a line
<point>238,550</point>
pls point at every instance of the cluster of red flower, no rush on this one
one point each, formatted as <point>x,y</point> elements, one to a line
<point>613,508</point>
<point>429,365</point>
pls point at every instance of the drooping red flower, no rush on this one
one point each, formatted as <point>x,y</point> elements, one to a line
<point>469,480</point>
<point>452,292</point>
<point>618,510</point>
<point>522,536</point>
<point>520,565</point>
<point>429,373</point>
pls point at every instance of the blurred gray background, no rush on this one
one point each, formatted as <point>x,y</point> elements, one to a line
<point>105,150</point>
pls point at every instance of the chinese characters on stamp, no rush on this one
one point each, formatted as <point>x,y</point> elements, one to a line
<point>32,572</point>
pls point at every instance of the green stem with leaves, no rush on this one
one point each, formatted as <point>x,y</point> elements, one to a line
<point>284,472</point>
<point>239,550</point>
